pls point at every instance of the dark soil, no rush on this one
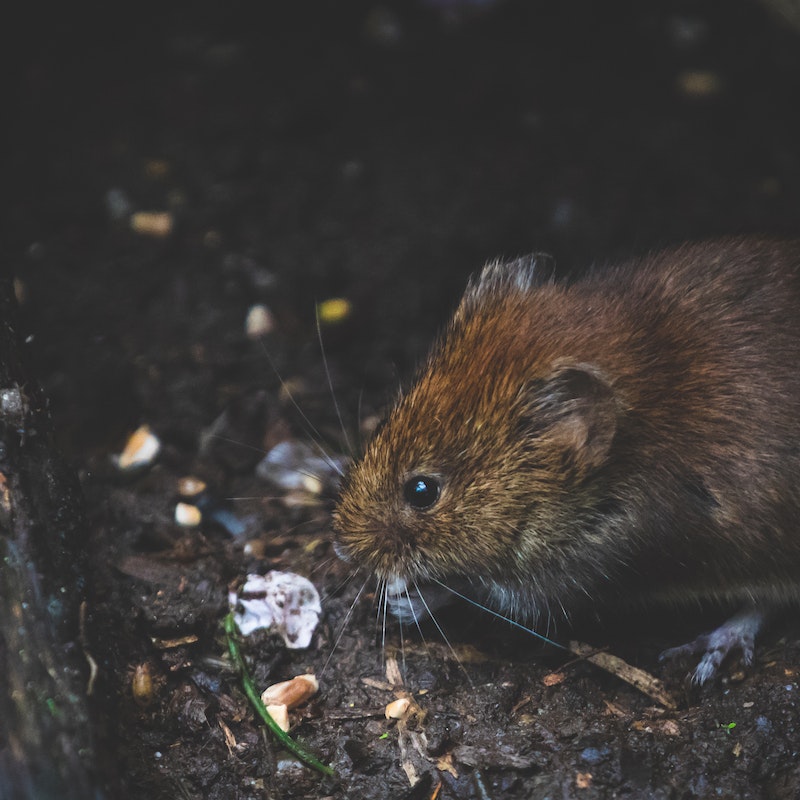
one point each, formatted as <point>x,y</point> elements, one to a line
<point>380,153</point>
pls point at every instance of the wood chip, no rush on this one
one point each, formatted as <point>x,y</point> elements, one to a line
<point>498,758</point>
<point>376,684</point>
<point>230,739</point>
<point>393,674</point>
<point>169,644</point>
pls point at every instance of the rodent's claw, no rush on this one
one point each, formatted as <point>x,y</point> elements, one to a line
<point>738,633</point>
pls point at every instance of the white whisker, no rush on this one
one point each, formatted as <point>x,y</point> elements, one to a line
<point>381,591</point>
<point>497,614</point>
<point>443,635</point>
<point>330,386</point>
<point>310,430</point>
<point>236,442</point>
<point>385,603</point>
<point>344,626</point>
<point>403,652</point>
<point>339,586</point>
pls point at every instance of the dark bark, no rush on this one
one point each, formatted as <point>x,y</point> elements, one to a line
<point>45,734</point>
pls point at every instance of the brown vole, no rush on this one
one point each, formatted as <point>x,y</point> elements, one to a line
<point>630,436</point>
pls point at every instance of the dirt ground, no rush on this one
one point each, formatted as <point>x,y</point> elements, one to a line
<point>377,152</point>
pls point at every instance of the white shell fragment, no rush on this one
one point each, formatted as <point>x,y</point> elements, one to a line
<point>141,450</point>
<point>282,602</point>
<point>187,515</point>
<point>291,693</point>
<point>295,466</point>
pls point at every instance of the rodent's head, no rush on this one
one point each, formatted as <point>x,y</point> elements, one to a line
<point>473,473</point>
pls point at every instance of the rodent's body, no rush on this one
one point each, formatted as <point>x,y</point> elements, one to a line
<point>633,435</point>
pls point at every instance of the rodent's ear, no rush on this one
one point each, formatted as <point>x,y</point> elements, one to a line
<point>521,275</point>
<point>574,410</point>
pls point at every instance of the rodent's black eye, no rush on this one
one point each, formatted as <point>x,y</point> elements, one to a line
<point>421,491</point>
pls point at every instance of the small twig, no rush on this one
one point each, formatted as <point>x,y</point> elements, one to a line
<point>638,678</point>
<point>249,689</point>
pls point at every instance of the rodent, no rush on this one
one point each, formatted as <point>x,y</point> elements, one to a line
<point>629,436</point>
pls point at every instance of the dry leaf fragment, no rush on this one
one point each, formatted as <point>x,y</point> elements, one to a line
<point>583,780</point>
<point>615,709</point>
<point>446,763</point>
<point>376,684</point>
<point>553,678</point>
<point>178,641</point>
<point>230,739</point>
<point>670,727</point>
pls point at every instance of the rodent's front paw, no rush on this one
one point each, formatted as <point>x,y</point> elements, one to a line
<point>738,633</point>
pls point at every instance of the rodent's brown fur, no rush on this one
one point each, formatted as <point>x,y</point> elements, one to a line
<point>634,434</point>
